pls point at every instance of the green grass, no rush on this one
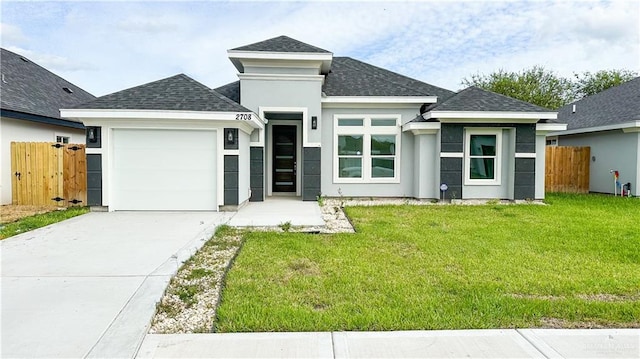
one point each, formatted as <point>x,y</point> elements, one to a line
<point>574,263</point>
<point>39,220</point>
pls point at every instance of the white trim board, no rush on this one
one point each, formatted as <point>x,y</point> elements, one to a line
<point>380,99</point>
<point>633,126</point>
<point>494,116</point>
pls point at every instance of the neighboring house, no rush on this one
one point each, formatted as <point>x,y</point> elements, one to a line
<point>302,122</point>
<point>609,123</point>
<point>31,98</point>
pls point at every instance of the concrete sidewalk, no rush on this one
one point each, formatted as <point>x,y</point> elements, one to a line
<point>489,343</point>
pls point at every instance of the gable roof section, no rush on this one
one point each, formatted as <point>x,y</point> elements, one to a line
<point>30,89</point>
<point>616,105</point>
<point>176,93</point>
<point>350,77</point>
<point>281,44</point>
<point>474,99</point>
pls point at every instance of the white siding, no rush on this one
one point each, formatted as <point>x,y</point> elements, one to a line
<point>613,150</point>
<point>12,130</point>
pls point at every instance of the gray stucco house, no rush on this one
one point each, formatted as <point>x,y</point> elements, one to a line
<point>608,123</point>
<point>302,122</point>
<point>30,111</point>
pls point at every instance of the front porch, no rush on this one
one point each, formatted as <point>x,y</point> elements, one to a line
<point>277,210</point>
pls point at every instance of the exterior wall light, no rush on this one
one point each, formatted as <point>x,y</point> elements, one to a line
<point>230,138</point>
<point>314,122</point>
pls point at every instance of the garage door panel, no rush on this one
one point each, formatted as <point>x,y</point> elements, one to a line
<point>160,180</point>
<point>164,170</point>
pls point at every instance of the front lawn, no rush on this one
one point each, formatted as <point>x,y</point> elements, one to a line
<point>39,220</point>
<point>573,263</point>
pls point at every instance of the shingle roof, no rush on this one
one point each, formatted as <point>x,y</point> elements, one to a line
<point>230,90</point>
<point>176,93</point>
<point>615,105</point>
<point>32,89</point>
<point>350,77</point>
<point>476,99</point>
<point>281,44</point>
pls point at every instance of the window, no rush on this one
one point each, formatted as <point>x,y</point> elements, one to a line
<point>552,141</point>
<point>366,149</point>
<point>62,139</point>
<point>482,156</point>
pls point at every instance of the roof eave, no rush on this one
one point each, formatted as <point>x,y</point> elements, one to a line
<point>418,100</point>
<point>83,114</point>
<point>41,119</point>
<point>489,116</point>
<point>236,57</point>
<point>632,126</point>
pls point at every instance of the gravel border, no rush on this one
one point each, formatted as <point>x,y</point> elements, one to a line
<point>191,299</point>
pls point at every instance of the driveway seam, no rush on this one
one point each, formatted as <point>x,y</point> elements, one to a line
<point>333,345</point>
<point>114,319</point>
<point>534,345</point>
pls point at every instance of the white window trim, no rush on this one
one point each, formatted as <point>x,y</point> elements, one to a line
<point>468,181</point>
<point>61,134</point>
<point>367,130</point>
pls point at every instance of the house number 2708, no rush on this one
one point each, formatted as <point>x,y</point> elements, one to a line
<point>243,116</point>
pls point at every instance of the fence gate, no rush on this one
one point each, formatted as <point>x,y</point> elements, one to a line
<point>46,173</point>
<point>567,169</point>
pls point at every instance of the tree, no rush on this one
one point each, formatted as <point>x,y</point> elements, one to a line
<point>589,83</point>
<point>542,87</point>
<point>536,85</point>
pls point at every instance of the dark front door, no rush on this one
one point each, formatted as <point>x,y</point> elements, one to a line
<point>284,158</point>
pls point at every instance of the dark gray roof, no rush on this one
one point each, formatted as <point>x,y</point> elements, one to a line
<point>176,93</point>
<point>281,44</point>
<point>615,105</point>
<point>476,99</point>
<point>32,89</point>
<point>350,77</point>
<point>230,90</point>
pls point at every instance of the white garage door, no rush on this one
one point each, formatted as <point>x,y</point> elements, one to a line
<point>164,170</point>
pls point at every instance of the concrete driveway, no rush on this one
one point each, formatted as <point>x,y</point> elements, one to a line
<point>87,287</point>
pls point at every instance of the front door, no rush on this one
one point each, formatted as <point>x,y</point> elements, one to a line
<point>284,158</point>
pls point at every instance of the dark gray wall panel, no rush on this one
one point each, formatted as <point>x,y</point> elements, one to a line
<point>452,137</point>
<point>230,180</point>
<point>311,173</point>
<point>256,173</point>
<point>94,180</point>
<point>525,138</point>
<point>524,181</point>
<point>451,174</point>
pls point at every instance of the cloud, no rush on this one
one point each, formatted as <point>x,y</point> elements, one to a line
<point>12,34</point>
<point>52,63</point>
<point>109,46</point>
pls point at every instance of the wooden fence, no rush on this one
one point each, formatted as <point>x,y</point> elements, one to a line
<point>567,169</point>
<point>45,173</point>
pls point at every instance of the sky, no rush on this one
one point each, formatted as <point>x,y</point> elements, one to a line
<point>104,47</point>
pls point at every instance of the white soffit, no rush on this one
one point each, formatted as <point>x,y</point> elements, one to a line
<point>483,116</point>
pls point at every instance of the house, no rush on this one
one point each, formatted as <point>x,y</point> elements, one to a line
<point>30,110</point>
<point>302,122</point>
<point>608,123</point>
